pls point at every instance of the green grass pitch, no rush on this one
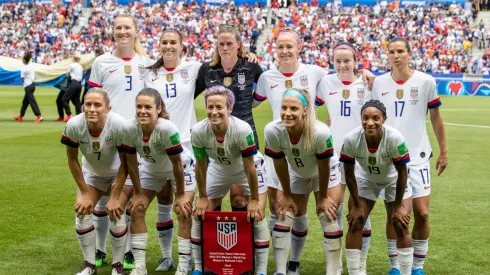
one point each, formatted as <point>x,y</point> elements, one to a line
<point>37,195</point>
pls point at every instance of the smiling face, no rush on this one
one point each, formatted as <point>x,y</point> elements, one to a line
<point>398,55</point>
<point>227,46</point>
<point>124,32</point>
<point>146,110</point>
<point>170,46</point>
<point>372,120</point>
<point>95,107</point>
<point>287,49</point>
<point>344,63</point>
<point>217,110</point>
<point>293,112</point>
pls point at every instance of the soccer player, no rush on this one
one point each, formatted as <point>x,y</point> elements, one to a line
<point>27,77</point>
<point>231,69</point>
<point>344,93</point>
<point>75,73</point>
<point>121,74</point>
<point>271,86</point>
<point>156,139</point>
<point>408,95</point>
<point>175,80</point>
<point>302,149</point>
<point>98,133</point>
<point>233,157</point>
<point>375,157</point>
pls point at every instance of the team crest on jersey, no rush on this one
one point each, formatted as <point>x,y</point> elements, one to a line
<point>128,69</point>
<point>360,93</point>
<point>141,69</point>
<point>146,150</point>
<point>170,77</point>
<point>227,234</point>
<point>220,151</point>
<point>227,81</point>
<point>288,84</point>
<point>108,140</point>
<point>385,157</point>
<point>372,160</point>
<point>295,152</point>
<point>241,78</point>
<point>96,146</point>
<point>399,93</point>
<point>414,92</point>
<point>304,80</point>
<point>184,74</point>
<point>345,94</point>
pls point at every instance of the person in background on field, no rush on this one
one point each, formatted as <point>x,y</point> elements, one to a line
<point>75,73</point>
<point>27,77</point>
<point>97,52</point>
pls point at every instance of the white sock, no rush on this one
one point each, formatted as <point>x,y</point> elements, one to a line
<point>331,243</point>
<point>165,228</point>
<point>298,237</point>
<point>340,214</point>
<point>185,254</point>
<point>366,240</point>
<point>353,257</point>
<point>420,248</point>
<point>101,224</point>
<point>128,239</point>
<point>281,242</point>
<point>139,242</point>
<point>119,237</point>
<point>196,244</point>
<point>261,234</point>
<point>272,221</point>
<point>406,259</point>
<point>84,226</point>
<point>392,253</point>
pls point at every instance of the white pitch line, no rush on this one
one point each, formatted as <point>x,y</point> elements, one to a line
<point>464,125</point>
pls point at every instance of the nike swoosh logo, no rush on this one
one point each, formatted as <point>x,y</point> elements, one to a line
<point>332,179</point>
<point>212,81</point>
<point>332,93</point>
<point>273,86</point>
<point>260,186</point>
<point>188,183</point>
<point>426,187</point>
<point>153,80</point>
<point>111,71</point>
<point>385,93</point>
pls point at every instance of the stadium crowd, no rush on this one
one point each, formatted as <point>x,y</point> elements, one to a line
<point>441,37</point>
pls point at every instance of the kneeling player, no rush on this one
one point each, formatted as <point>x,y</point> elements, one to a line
<point>379,155</point>
<point>302,148</point>
<point>229,144</point>
<point>98,133</point>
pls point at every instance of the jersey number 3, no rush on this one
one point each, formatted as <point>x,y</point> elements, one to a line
<point>129,81</point>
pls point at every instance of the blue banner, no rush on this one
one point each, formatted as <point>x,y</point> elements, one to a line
<point>463,88</point>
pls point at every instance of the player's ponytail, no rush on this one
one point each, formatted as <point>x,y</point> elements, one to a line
<point>309,120</point>
<point>158,101</point>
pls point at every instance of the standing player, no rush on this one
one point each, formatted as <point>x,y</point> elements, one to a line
<point>230,146</point>
<point>408,94</point>
<point>27,77</point>
<point>121,74</point>
<point>344,93</point>
<point>175,80</point>
<point>98,134</point>
<point>75,73</point>
<point>380,156</point>
<point>271,86</point>
<point>302,148</point>
<point>156,139</point>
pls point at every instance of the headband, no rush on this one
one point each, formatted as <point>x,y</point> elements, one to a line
<point>291,34</point>
<point>297,95</point>
<point>346,47</point>
<point>375,105</point>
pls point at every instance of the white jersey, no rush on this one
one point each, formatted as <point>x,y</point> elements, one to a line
<point>376,165</point>
<point>344,102</point>
<point>27,72</point>
<point>272,84</point>
<point>301,163</point>
<point>224,156</point>
<point>122,78</point>
<point>406,107</point>
<point>154,151</point>
<point>99,152</point>
<point>76,71</point>
<point>177,90</point>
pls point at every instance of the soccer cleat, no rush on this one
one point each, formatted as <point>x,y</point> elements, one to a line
<point>39,119</point>
<point>293,268</point>
<point>138,271</point>
<point>18,118</point>
<point>165,264</point>
<point>87,269</point>
<point>117,269</point>
<point>196,272</point>
<point>418,271</point>
<point>67,118</point>
<point>394,271</point>
<point>128,260</point>
<point>60,118</point>
<point>100,258</point>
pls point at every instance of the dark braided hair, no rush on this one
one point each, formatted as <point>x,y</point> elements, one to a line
<point>376,104</point>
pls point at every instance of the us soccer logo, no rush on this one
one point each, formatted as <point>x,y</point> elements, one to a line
<point>360,93</point>
<point>241,78</point>
<point>304,80</point>
<point>414,92</point>
<point>184,74</point>
<point>227,234</point>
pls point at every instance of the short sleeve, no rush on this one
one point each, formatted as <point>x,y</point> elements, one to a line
<point>128,139</point>
<point>23,72</point>
<point>272,142</point>
<point>201,79</point>
<point>320,92</point>
<point>348,151</point>
<point>432,97</point>
<point>95,79</point>
<point>375,91</point>
<point>399,150</point>
<point>198,147</point>
<point>247,142</point>
<point>70,136</point>
<point>324,145</point>
<point>260,91</point>
<point>118,132</point>
<point>171,139</point>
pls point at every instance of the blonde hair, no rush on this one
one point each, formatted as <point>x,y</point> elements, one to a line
<point>138,48</point>
<point>101,92</point>
<point>228,29</point>
<point>309,122</point>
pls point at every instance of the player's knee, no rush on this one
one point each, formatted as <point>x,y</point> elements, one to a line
<point>238,203</point>
<point>139,212</point>
<point>422,216</point>
<point>358,226</point>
